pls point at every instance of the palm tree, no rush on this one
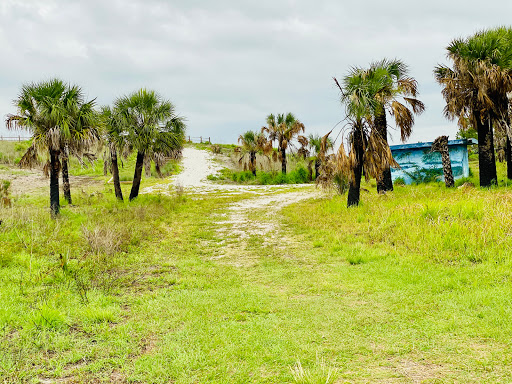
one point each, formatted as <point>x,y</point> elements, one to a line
<point>49,110</point>
<point>115,138</point>
<point>252,143</point>
<point>154,129</point>
<point>476,88</point>
<point>84,131</point>
<point>369,153</point>
<point>441,145</point>
<point>389,81</point>
<point>315,143</point>
<point>283,130</point>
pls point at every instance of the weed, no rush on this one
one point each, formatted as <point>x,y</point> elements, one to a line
<point>320,373</point>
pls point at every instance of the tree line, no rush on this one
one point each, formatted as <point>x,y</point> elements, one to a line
<point>476,88</point>
<point>62,123</point>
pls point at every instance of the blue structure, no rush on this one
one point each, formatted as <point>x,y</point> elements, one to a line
<point>419,165</point>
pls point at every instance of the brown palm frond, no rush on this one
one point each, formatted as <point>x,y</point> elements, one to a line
<point>417,106</point>
<point>404,119</point>
<point>30,158</point>
<point>303,140</point>
<point>408,86</point>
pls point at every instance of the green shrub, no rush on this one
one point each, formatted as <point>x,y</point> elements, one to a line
<point>399,181</point>
<point>463,180</point>
<point>298,176</point>
<point>280,178</point>
<point>264,178</point>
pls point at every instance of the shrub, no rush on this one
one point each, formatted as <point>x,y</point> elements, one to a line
<point>280,178</point>
<point>264,178</point>
<point>399,181</point>
<point>299,176</point>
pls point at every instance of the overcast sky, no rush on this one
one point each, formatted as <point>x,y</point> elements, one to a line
<point>227,64</point>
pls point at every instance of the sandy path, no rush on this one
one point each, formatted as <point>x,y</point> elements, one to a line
<point>197,165</point>
<point>236,222</point>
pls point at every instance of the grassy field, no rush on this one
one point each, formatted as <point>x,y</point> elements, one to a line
<point>413,286</point>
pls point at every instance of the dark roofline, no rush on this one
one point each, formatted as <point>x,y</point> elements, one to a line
<point>429,144</point>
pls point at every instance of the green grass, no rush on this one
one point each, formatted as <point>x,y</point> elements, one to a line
<point>298,176</point>
<point>11,151</point>
<point>411,286</point>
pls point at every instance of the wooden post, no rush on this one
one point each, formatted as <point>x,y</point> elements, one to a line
<point>19,138</point>
<point>201,138</point>
<point>189,139</point>
<point>209,141</point>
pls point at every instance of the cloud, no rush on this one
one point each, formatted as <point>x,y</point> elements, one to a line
<point>227,64</point>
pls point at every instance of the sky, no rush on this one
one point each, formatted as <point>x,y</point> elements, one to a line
<point>227,64</point>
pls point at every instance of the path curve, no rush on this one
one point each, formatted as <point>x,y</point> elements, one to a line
<point>235,222</point>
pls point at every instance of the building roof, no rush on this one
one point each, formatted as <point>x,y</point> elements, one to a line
<point>429,144</point>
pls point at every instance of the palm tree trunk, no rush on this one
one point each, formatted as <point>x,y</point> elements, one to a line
<point>54,182</point>
<point>283,160</point>
<point>486,159</point>
<point>508,155</point>
<point>137,175</point>
<point>65,180</point>
<point>318,164</point>
<point>384,182</point>
<point>158,170</point>
<point>115,174</point>
<point>354,188</point>
<point>252,159</point>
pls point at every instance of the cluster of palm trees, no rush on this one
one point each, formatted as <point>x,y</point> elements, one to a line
<point>62,124</point>
<point>369,94</point>
<point>476,90</point>
<point>281,129</point>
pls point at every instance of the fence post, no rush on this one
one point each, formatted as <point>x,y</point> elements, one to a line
<point>19,138</point>
<point>189,139</point>
<point>209,141</point>
<point>201,138</point>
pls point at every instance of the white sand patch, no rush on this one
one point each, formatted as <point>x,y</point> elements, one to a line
<point>197,165</point>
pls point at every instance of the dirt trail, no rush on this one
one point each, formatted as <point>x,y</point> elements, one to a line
<point>237,222</point>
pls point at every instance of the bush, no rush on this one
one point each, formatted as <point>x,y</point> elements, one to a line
<point>299,176</point>
<point>399,181</point>
<point>280,178</point>
<point>264,178</point>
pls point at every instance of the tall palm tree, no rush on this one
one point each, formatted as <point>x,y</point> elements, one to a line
<point>369,153</point>
<point>393,90</point>
<point>154,129</point>
<point>48,110</point>
<point>475,90</point>
<point>252,143</point>
<point>282,129</point>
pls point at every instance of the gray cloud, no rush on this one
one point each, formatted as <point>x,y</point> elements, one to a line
<point>227,64</point>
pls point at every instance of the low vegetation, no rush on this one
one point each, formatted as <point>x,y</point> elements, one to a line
<point>408,284</point>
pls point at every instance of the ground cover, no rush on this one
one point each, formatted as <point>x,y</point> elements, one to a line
<point>186,285</point>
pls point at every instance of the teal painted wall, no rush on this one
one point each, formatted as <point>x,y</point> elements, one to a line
<point>418,164</point>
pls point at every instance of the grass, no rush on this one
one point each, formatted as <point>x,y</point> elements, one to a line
<point>298,176</point>
<point>412,286</point>
<point>11,151</point>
